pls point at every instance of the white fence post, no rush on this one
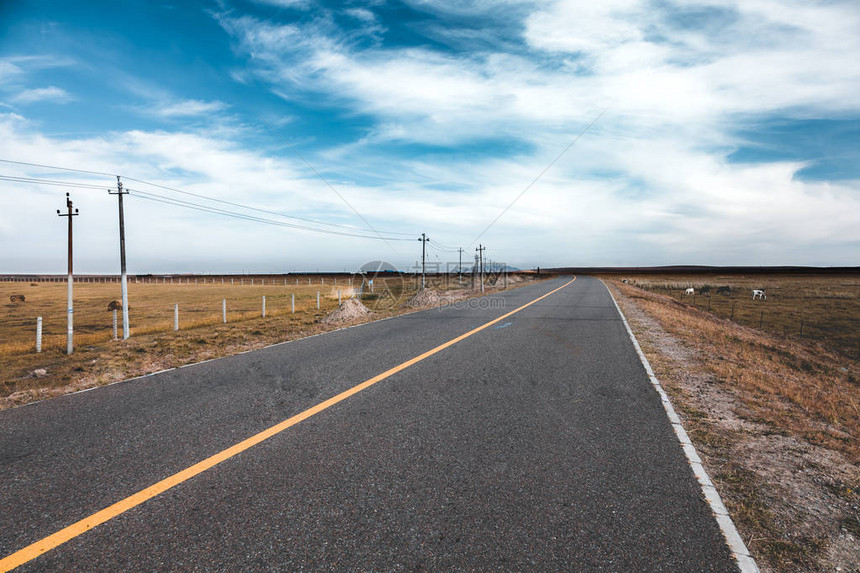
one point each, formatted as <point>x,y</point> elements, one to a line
<point>39,334</point>
<point>224,310</point>
<point>114,324</point>
<point>293,303</point>
<point>338,297</point>
<point>318,300</point>
<point>264,306</point>
<point>176,316</point>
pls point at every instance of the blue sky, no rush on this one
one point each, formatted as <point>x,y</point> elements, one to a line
<point>727,132</point>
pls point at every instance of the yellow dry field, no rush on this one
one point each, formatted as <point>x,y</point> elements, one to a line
<point>151,308</point>
<point>98,359</point>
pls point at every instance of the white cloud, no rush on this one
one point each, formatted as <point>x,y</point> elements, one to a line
<point>49,94</point>
<point>9,71</point>
<point>186,108</point>
<point>362,14</point>
<point>302,4</point>
<point>673,107</point>
<point>648,184</point>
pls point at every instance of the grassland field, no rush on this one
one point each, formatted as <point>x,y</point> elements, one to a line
<point>774,414</point>
<point>819,307</point>
<point>26,375</point>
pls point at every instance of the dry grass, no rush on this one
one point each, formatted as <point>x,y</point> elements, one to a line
<point>793,386</point>
<point>821,307</point>
<point>777,419</point>
<point>153,345</point>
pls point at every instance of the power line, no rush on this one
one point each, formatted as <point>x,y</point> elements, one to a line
<point>36,181</point>
<point>217,211</point>
<point>175,190</point>
<point>541,174</point>
<point>268,212</point>
<point>60,168</point>
<point>324,180</point>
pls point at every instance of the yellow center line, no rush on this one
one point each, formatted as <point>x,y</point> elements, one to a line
<point>52,541</point>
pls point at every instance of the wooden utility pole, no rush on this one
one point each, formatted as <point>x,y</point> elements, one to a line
<point>70,307</point>
<point>481,250</point>
<point>124,279</point>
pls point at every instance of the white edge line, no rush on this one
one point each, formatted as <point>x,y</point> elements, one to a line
<point>745,562</point>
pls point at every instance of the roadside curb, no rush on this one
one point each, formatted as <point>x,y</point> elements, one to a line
<point>745,562</point>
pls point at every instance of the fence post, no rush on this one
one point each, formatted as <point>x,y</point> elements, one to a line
<point>338,297</point>
<point>114,324</point>
<point>293,302</point>
<point>176,316</point>
<point>39,334</point>
<point>264,306</point>
<point>318,300</point>
<point>224,310</point>
<point>760,319</point>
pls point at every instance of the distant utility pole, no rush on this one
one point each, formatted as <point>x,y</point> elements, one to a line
<point>423,240</point>
<point>460,266</point>
<point>70,330</point>
<point>119,193</point>
<point>481,250</point>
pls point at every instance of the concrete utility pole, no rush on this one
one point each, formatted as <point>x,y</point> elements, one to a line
<point>124,278</point>
<point>460,266</point>
<point>70,330</point>
<point>481,250</point>
<point>423,240</point>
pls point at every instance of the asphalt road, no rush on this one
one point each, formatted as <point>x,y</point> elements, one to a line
<point>537,443</point>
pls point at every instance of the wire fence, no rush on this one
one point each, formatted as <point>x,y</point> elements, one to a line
<point>819,309</point>
<point>164,302</point>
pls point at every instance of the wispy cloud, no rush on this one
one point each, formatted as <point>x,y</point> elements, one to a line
<point>51,94</point>
<point>186,108</point>
<point>9,71</point>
